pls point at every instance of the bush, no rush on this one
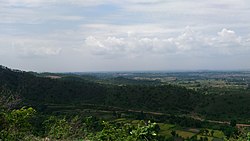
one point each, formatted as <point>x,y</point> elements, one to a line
<point>16,124</point>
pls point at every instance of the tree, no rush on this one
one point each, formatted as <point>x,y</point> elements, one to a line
<point>233,123</point>
<point>173,133</point>
<point>248,136</point>
<point>202,131</point>
<point>212,132</point>
<point>206,132</point>
<point>146,132</point>
<point>16,123</point>
<point>127,132</point>
<point>57,128</point>
<point>8,99</point>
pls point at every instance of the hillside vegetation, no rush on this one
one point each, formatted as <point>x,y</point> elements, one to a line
<point>70,107</point>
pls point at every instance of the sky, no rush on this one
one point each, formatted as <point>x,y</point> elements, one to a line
<point>124,35</point>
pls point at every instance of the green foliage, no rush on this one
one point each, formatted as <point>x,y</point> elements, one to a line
<point>165,98</point>
<point>57,128</point>
<point>240,138</point>
<point>38,91</point>
<point>41,93</point>
<point>146,132</point>
<point>110,132</point>
<point>248,136</point>
<point>60,128</point>
<point>233,123</point>
<point>16,124</point>
<point>173,133</point>
<point>212,132</point>
<point>8,99</point>
<point>127,132</point>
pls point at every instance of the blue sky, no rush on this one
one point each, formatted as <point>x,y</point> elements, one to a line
<point>127,35</point>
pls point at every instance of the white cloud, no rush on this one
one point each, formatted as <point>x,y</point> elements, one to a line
<point>24,3</point>
<point>110,45</point>
<point>29,47</point>
<point>33,12</point>
<point>189,42</point>
<point>38,3</point>
<point>38,51</point>
<point>126,30</point>
<point>228,36</point>
<point>150,29</point>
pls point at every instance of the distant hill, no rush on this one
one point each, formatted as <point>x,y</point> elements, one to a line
<point>42,90</point>
<point>36,91</point>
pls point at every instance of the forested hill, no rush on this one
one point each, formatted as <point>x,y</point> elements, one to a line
<point>40,90</point>
<point>36,90</point>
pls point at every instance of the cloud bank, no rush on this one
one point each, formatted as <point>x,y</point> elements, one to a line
<point>226,42</point>
<point>92,35</point>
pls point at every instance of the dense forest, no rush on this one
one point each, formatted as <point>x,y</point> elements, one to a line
<point>39,90</point>
<point>35,107</point>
